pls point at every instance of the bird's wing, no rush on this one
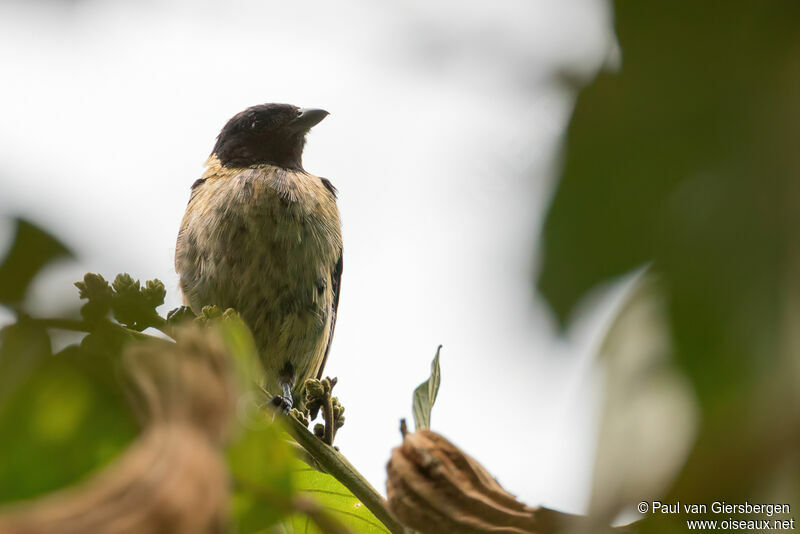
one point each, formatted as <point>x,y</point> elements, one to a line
<point>336,282</point>
<point>182,248</point>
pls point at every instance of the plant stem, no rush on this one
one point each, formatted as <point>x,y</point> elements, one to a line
<point>343,471</point>
<point>63,324</point>
<point>77,325</point>
<point>327,415</point>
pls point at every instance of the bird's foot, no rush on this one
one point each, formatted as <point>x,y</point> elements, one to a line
<point>282,403</point>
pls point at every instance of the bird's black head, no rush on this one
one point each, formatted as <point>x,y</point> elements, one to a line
<point>268,133</point>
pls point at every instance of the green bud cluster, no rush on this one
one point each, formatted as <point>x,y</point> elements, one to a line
<point>130,304</point>
<point>318,396</point>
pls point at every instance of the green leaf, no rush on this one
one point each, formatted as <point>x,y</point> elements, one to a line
<point>660,167</point>
<point>677,156</point>
<point>23,346</point>
<point>31,250</point>
<point>425,395</point>
<point>260,461</point>
<point>685,160</point>
<point>62,416</point>
<point>240,343</point>
<point>334,499</point>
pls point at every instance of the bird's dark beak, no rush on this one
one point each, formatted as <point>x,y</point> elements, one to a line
<point>308,118</point>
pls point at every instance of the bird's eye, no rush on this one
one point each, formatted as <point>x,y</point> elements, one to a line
<point>253,125</point>
<point>299,112</point>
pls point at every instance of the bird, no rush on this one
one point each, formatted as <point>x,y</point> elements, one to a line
<point>263,236</point>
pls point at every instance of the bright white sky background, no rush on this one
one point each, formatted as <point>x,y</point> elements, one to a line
<point>443,139</point>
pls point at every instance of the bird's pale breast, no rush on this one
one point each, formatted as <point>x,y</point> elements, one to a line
<point>265,241</point>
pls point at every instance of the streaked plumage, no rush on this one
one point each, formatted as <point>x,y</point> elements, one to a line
<point>264,238</point>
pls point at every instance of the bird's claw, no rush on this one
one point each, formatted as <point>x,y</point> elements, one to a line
<point>283,403</point>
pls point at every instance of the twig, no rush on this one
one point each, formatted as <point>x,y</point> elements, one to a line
<point>77,325</point>
<point>327,415</point>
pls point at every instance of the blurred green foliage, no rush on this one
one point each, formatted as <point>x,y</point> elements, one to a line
<point>61,416</point>
<point>31,250</point>
<point>332,496</point>
<point>683,162</point>
<point>686,160</point>
<point>66,416</point>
